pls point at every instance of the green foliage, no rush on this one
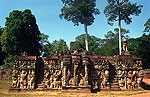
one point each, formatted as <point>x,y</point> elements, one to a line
<point>118,10</point>
<point>57,46</point>
<point>114,35</point>
<point>2,54</point>
<point>47,48</point>
<point>121,10</point>
<point>46,45</point>
<point>44,39</point>
<point>141,48</point>
<point>147,26</point>
<point>79,11</point>
<point>94,43</point>
<point>109,46</point>
<point>52,48</point>
<point>132,46</point>
<point>21,34</point>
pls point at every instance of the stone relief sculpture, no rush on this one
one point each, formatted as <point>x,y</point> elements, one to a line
<point>79,69</point>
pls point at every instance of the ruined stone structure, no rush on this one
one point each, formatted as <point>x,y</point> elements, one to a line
<point>5,74</point>
<point>125,48</point>
<point>79,70</point>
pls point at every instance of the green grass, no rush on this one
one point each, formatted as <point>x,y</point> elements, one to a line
<point>5,85</point>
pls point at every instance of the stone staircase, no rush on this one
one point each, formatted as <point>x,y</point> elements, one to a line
<point>115,85</point>
<point>40,87</point>
<point>78,89</point>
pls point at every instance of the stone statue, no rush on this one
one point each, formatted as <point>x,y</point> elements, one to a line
<point>129,83</point>
<point>23,79</point>
<point>121,83</point>
<point>125,45</point>
<point>81,83</point>
<point>31,81</point>
<point>46,78</point>
<point>140,78</point>
<point>14,83</point>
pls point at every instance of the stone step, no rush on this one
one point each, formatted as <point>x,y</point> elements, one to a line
<point>114,84</point>
<point>39,89</point>
<point>77,91</point>
<point>115,89</point>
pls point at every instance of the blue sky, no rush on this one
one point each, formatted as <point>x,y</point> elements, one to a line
<point>47,16</point>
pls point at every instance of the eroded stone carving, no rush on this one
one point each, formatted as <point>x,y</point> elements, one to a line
<point>79,69</point>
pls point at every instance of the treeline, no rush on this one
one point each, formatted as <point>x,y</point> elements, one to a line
<point>21,35</point>
<point>108,46</point>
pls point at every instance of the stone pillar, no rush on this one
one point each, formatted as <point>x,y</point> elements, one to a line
<point>75,68</point>
<point>86,75</point>
<point>65,74</point>
<point>76,62</point>
<point>85,63</point>
<point>66,62</point>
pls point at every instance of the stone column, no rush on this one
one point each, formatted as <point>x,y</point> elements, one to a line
<point>86,75</point>
<point>65,74</point>
<point>66,63</point>
<point>75,62</point>
<point>85,63</point>
<point>75,80</point>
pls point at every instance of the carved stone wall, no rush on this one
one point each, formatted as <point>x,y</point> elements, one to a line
<point>52,74</point>
<point>5,74</point>
<point>78,70</point>
<point>24,73</point>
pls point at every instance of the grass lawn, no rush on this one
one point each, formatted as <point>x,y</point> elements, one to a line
<point>5,84</point>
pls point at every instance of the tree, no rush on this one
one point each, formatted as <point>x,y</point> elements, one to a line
<point>109,45</point>
<point>80,11</point>
<point>2,54</point>
<point>51,48</point>
<point>57,46</point>
<point>46,45</point>
<point>147,26</point>
<point>118,10</point>
<point>21,34</point>
<point>94,43</point>
<point>141,48</point>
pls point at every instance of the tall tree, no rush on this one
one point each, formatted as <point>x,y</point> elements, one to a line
<point>80,11</point>
<point>118,10</point>
<point>147,26</point>
<point>21,34</point>
<point>94,42</point>
<point>57,46</point>
<point>46,45</point>
<point>110,43</point>
<point>2,54</point>
<point>141,48</point>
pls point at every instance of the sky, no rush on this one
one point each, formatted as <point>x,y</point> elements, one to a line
<point>47,16</point>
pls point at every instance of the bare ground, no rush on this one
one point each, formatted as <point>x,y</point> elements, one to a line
<point>4,87</point>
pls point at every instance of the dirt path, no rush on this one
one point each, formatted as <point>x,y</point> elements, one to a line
<point>138,95</point>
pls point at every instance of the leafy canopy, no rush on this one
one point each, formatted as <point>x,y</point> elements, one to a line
<point>121,10</point>
<point>2,54</point>
<point>94,42</point>
<point>79,11</point>
<point>141,48</point>
<point>109,45</point>
<point>57,46</point>
<point>21,34</point>
<point>147,26</point>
